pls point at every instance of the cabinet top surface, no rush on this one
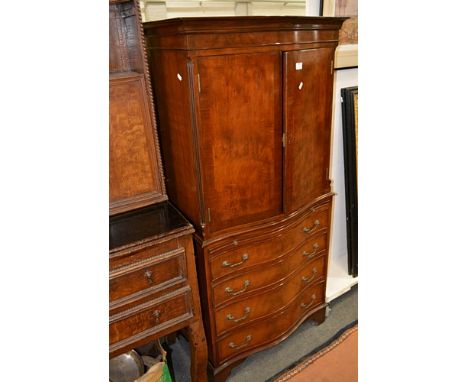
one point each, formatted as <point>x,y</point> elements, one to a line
<point>183,25</point>
<point>145,224</point>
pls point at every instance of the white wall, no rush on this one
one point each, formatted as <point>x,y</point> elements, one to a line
<point>162,9</point>
<point>338,279</point>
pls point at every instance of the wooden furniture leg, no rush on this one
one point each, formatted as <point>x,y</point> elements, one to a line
<point>198,351</point>
<point>319,316</point>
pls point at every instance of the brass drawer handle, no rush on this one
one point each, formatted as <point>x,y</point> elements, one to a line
<point>309,279</point>
<point>244,258</point>
<point>313,228</point>
<point>230,291</point>
<point>156,315</point>
<point>232,345</point>
<point>309,255</point>
<point>149,276</point>
<point>230,317</point>
<point>305,306</point>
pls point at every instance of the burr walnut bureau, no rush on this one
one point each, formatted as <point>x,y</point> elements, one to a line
<point>153,287</point>
<point>244,115</point>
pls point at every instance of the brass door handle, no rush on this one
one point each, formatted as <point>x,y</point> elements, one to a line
<point>244,258</point>
<point>305,306</point>
<point>309,255</point>
<point>230,317</point>
<point>309,279</point>
<point>232,345</point>
<point>230,291</point>
<point>149,276</point>
<point>313,228</point>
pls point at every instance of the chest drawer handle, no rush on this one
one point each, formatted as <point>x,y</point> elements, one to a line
<point>230,291</point>
<point>244,258</point>
<point>149,276</point>
<point>230,317</point>
<point>313,228</point>
<point>309,255</point>
<point>156,315</point>
<point>232,345</point>
<point>309,279</point>
<point>305,306</point>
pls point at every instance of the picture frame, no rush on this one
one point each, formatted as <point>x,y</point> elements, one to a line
<point>346,55</point>
<point>349,107</point>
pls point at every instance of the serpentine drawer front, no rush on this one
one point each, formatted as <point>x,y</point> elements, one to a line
<point>270,328</point>
<point>271,300</point>
<point>235,257</point>
<point>266,276</point>
<point>244,107</point>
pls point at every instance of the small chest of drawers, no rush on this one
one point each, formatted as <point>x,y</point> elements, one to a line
<point>264,282</point>
<point>153,287</point>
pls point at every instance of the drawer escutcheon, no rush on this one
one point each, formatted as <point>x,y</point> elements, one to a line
<point>149,276</point>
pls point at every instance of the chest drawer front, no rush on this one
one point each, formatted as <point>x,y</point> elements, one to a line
<point>238,258</point>
<point>125,258</point>
<point>252,308</point>
<point>262,277</point>
<point>170,309</point>
<point>268,329</point>
<point>152,272</point>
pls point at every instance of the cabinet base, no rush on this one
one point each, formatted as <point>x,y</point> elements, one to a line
<point>222,373</point>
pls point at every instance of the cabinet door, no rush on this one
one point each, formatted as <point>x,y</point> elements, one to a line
<point>240,134</point>
<point>307,103</point>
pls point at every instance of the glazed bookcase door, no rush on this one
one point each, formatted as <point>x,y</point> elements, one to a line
<point>240,135</point>
<point>307,87</point>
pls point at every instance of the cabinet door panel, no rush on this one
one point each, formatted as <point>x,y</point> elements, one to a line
<point>307,103</point>
<point>240,136</point>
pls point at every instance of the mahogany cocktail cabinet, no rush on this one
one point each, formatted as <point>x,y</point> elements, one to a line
<point>244,109</point>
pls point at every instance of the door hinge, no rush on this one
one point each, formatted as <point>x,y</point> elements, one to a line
<point>199,84</point>
<point>284,139</point>
<point>209,215</point>
<point>331,67</point>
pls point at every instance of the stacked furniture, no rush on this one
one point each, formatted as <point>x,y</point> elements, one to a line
<point>153,287</point>
<point>244,107</point>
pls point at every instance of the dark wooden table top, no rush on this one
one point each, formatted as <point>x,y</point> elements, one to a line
<point>145,224</point>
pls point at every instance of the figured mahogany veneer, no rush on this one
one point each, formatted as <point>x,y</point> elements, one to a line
<point>244,108</point>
